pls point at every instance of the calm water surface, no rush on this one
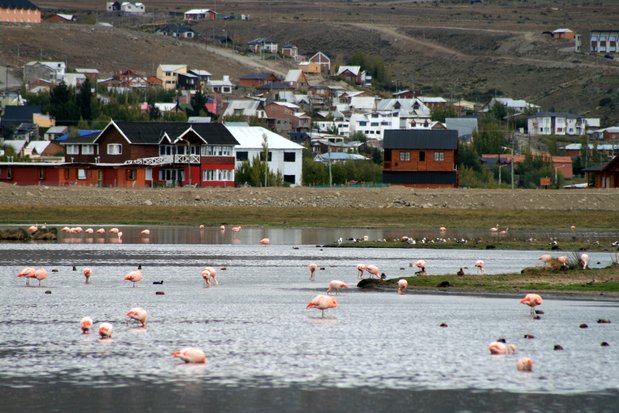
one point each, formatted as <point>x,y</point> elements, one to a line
<point>266,352</point>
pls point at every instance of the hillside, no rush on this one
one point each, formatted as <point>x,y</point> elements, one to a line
<point>454,50</point>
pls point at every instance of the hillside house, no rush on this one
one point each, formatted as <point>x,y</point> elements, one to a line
<point>177,30</point>
<point>423,159</point>
<point>169,75</point>
<point>247,108</point>
<point>53,72</point>
<point>352,74</point>
<point>19,11</point>
<point>515,105</point>
<point>284,156</point>
<point>258,79</point>
<point>61,18</point>
<point>290,50</point>
<point>433,102</point>
<point>126,7</point>
<point>91,74</point>
<point>554,123</point>
<point>323,61</point>
<point>606,134</point>
<point>200,14</point>
<point>223,86</point>
<point>563,34</point>
<point>299,121</point>
<point>604,41</point>
<point>55,132</point>
<point>297,79</point>
<point>263,45</point>
<point>605,175</point>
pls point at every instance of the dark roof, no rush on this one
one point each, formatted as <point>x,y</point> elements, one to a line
<point>175,28</point>
<point>80,132</point>
<point>24,4</point>
<point>151,133</point>
<point>262,40</point>
<point>602,166</point>
<point>87,139</point>
<point>420,139</point>
<point>258,76</point>
<point>15,114</point>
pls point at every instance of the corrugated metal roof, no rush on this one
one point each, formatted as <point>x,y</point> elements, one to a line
<point>420,139</point>
<point>251,137</point>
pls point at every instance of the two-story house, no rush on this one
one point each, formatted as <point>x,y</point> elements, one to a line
<point>169,75</point>
<point>554,123</point>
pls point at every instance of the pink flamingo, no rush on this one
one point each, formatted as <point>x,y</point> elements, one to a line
<point>86,324</point>
<point>87,273</point>
<point>222,227</point>
<point>236,229</point>
<point>201,227</point>
<point>134,276</point>
<point>480,265</point>
<point>322,302</point>
<point>41,274</point>
<point>138,314</point>
<point>105,330</point>
<point>498,347</point>
<point>366,238</point>
<point>442,230</point>
<point>373,270</point>
<point>421,264</point>
<point>206,276</point>
<point>336,285</point>
<point>562,260</point>
<point>573,228</point>
<point>101,231</point>
<point>145,232</point>
<point>584,260</point>
<point>113,231</point>
<point>28,273</point>
<point>89,231</point>
<point>312,268</point>
<point>525,364</point>
<point>33,228</point>
<point>402,286</point>
<point>65,229</point>
<point>494,230</point>
<point>265,241</point>
<point>191,355</point>
<point>213,272</point>
<point>532,300</point>
<point>361,268</point>
<point>546,258</point>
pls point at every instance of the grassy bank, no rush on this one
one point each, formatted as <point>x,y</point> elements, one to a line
<point>590,282</point>
<point>413,218</point>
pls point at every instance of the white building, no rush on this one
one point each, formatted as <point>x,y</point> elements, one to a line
<point>517,105</point>
<point>285,156</point>
<point>223,86</point>
<point>245,107</point>
<point>551,123</point>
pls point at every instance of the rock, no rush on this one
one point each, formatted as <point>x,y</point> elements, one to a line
<point>148,202</point>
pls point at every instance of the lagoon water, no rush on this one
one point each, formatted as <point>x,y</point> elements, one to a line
<point>376,352</point>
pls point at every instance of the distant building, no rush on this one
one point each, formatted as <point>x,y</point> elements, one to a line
<point>263,45</point>
<point>604,41</point>
<point>554,123</point>
<point>19,11</point>
<point>169,75</point>
<point>563,34</point>
<point>126,7</point>
<point>61,18</point>
<point>200,14</point>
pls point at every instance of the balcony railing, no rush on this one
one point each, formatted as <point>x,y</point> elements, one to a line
<point>165,160</point>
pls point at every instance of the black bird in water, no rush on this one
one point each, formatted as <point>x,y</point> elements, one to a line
<point>158,282</point>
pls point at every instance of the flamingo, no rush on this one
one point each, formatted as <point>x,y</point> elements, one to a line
<point>402,286</point>
<point>504,232</point>
<point>322,302</point>
<point>87,273</point>
<point>563,260</point>
<point>134,276</point>
<point>366,238</point>
<point>27,272</point>
<point>191,355</point>
<point>201,227</point>
<point>236,229</point>
<point>206,276</point>
<point>265,241</point>
<point>120,236</point>
<point>546,258</point>
<point>65,229</point>
<point>86,324</point>
<point>532,300</point>
<point>480,265</point>
<point>584,260</point>
<point>573,228</point>
<point>336,285</point>
<point>101,231</point>
<point>361,268</point>
<point>495,229</point>
<point>33,228</point>
<point>89,231</point>
<point>145,232</point>
<point>138,314</point>
<point>105,330</point>
<point>525,364</point>
<point>442,230</point>
<point>373,270</point>
<point>498,347</point>
<point>312,268</point>
<point>41,274</point>
<point>213,273</point>
<point>222,227</point>
<point>113,231</point>
<point>421,264</point>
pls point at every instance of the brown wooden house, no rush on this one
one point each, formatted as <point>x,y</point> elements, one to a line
<point>421,158</point>
<point>606,175</point>
<point>258,79</point>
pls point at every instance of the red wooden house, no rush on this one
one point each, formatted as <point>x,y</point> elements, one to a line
<point>421,158</point>
<point>606,175</point>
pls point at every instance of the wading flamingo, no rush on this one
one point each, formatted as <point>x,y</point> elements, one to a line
<point>442,230</point>
<point>480,266</point>
<point>87,273</point>
<point>33,228</point>
<point>312,268</point>
<point>145,232</point>
<point>584,261</point>
<point>532,300</point>
<point>402,286</point>
<point>201,227</point>
<point>206,276</point>
<point>213,272</point>
<point>373,270</point>
<point>105,330</point>
<point>322,302</point>
<point>573,228</point>
<point>499,347</point>
<point>138,314</point>
<point>361,268</point>
<point>222,227</point>
<point>563,260</point>
<point>191,355</point>
<point>86,324</point>
<point>421,264</point>
<point>336,285</point>
<point>495,229</point>
<point>113,231</point>
<point>546,258</point>
<point>41,274</point>
<point>265,241</point>
<point>101,231</point>
<point>28,273</point>
<point>134,276</point>
<point>236,229</point>
<point>525,364</point>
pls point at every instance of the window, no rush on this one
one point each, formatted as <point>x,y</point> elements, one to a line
<point>439,156</point>
<point>88,149</point>
<point>405,156</point>
<point>422,156</point>
<point>289,156</point>
<point>290,179</point>
<point>148,175</point>
<point>114,149</point>
<point>41,173</point>
<point>217,175</point>
<point>81,174</point>
<point>132,174</point>
<point>242,156</point>
<point>73,149</point>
